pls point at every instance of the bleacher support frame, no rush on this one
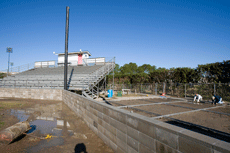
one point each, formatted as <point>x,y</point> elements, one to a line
<point>82,78</point>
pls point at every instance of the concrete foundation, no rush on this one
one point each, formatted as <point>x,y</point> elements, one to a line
<point>44,94</point>
<point>128,132</point>
<point>124,131</point>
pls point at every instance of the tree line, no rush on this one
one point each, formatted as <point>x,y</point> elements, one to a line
<point>131,73</point>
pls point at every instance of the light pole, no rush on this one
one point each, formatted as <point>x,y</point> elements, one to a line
<point>9,50</point>
<point>66,48</point>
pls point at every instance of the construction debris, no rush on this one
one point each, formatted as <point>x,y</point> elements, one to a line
<point>11,133</point>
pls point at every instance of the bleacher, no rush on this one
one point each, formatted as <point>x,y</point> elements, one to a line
<point>79,77</point>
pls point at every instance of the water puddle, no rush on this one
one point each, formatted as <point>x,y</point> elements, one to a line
<point>44,120</point>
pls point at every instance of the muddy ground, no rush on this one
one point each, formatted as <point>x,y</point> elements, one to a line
<point>69,133</point>
<point>141,101</point>
<point>213,119</point>
<point>207,119</point>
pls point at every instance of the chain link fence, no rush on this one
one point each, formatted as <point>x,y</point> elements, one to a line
<point>184,90</point>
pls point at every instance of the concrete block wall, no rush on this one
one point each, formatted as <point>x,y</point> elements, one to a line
<point>44,94</point>
<point>127,132</point>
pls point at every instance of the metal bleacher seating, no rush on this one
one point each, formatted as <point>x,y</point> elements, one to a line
<point>79,77</point>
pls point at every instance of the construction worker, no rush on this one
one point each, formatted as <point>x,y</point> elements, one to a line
<point>217,99</point>
<point>197,98</point>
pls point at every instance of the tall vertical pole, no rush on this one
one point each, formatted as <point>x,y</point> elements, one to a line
<point>185,91</point>
<point>113,72</point>
<point>214,89</point>
<point>66,47</point>
<point>8,65</point>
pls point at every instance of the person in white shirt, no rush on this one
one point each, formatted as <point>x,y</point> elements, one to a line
<point>197,98</point>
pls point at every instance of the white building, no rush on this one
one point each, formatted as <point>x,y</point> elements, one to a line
<point>74,58</point>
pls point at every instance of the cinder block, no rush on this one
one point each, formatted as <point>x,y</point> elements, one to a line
<point>113,145</point>
<point>99,121</point>
<point>95,118</point>
<point>198,138</point>
<point>93,111</point>
<point>106,111</point>
<point>167,138</point>
<point>189,146</point>
<point>101,129</point>
<point>147,141</point>
<point>214,151</point>
<point>98,108</point>
<point>121,136</point>
<point>106,118</point>
<point>110,136</point>
<point>111,129</point>
<point>132,122</point>
<point>95,124</point>
<point>118,125</point>
<point>144,149</point>
<point>104,138</point>
<point>131,150</point>
<point>146,128</point>
<point>132,143</point>
<point>95,130</point>
<point>221,146</point>
<point>132,133</point>
<point>100,115</point>
<point>119,150</point>
<point>117,116</point>
<point>122,145</point>
<point>162,148</point>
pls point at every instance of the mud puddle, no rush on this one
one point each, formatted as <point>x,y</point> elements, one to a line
<point>67,131</point>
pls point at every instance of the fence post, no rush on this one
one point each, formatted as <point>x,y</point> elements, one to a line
<point>185,91</point>
<point>141,87</point>
<point>214,89</point>
<point>163,88</point>
<point>155,88</point>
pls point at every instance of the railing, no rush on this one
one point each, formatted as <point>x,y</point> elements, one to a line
<point>42,64</point>
<point>87,83</point>
<point>27,84</point>
<point>18,69</point>
<point>98,76</point>
<point>25,67</point>
<point>184,90</point>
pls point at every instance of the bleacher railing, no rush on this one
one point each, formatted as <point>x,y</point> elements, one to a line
<point>87,82</point>
<point>94,78</point>
<point>18,69</point>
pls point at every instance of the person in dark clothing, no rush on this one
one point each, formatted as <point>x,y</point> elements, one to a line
<point>217,99</point>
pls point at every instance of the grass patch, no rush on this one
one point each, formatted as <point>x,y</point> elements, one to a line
<point>1,123</point>
<point>8,105</point>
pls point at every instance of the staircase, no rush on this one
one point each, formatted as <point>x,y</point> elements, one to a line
<point>92,90</point>
<point>81,78</point>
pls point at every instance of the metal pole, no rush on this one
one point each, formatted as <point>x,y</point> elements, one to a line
<point>113,72</point>
<point>141,87</point>
<point>185,91</point>
<point>214,89</point>
<point>105,83</point>
<point>156,89</point>
<point>8,64</point>
<point>66,47</point>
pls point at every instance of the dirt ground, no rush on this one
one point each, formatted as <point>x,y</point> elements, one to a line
<point>220,122</point>
<point>161,109</point>
<point>207,119</point>
<point>142,101</point>
<point>69,133</point>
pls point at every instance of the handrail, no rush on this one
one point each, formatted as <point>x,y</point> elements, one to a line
<point>98,74</point>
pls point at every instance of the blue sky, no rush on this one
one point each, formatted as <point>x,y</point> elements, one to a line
<point>164,33</point>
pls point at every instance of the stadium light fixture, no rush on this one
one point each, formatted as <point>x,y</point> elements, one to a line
<point>9,50</point>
